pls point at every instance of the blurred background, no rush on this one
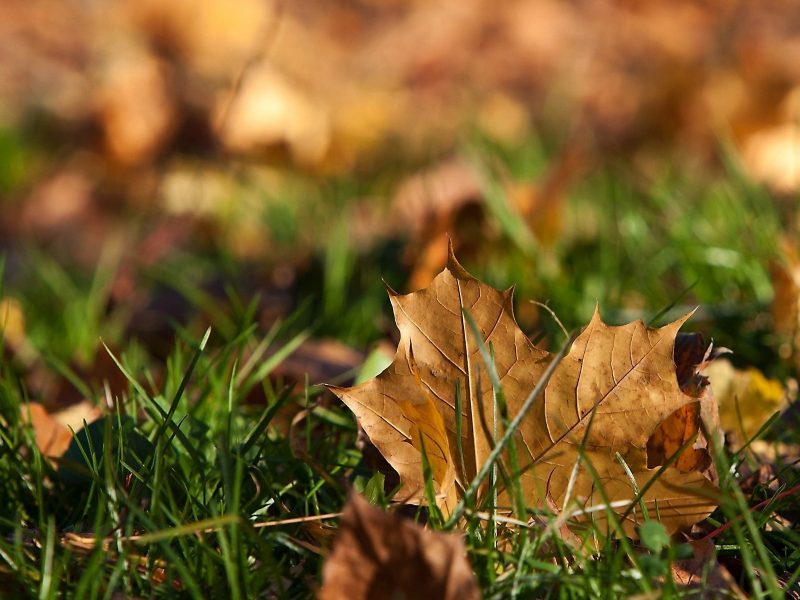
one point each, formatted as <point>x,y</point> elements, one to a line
<point>168,166</point>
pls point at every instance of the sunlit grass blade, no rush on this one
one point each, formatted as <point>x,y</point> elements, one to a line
<point>660,315</point>
<point>494,455</point>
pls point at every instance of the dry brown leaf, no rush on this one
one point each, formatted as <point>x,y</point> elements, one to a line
<point>772,154</point>
<point>269,112</point>
<point>670,436</point>
<point>717,582</point>
<point>624,375</point>
<point>318,359</point>
<point>378,555</point>
<point>691,356</point>
<point>138,111</point>
<point>439,203</point>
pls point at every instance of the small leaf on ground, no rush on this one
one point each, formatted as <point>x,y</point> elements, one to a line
<point>703,573</point>
<point>52,432</point>
<point>382,556</point>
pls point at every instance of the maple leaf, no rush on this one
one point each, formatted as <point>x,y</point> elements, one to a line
<point>619,380</point>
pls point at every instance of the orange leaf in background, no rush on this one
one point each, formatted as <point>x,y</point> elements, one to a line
<point>378,555</point>
<point>785,275</point>
<point>51,437</point>
<point>621,379</point>
<point>52,432</point>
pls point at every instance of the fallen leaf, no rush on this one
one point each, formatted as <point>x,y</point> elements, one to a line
<point>137,109</point>
<point>779,454</point>
<point>442,202</point>
<point>52,431</point>
<point>270,112</point>
<point>623,376</point>
<point>76,415</point>
<point>435,194</point>
<point>785,307</point>
<point>772,154</point>
<point>51,437</point>
<point>64,200</point>
<point>379,555</point>
<point>321,533</point>
<point>670,436</point>
<point>691,355</point>
<point>210,36</point>
<point>319,360</point>
<point>541,202</point>
<point>763,477</point>
<point>704,573</point>
<point>746,398</point>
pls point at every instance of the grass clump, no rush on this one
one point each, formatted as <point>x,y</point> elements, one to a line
<point>181,490</point>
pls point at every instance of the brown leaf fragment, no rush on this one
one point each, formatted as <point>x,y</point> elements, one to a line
<point>379,555</point>
<point>690,354</point>
<point>443,202</point>
<point>622,380</point>
<point>51,437</point>
<point>785,309</point>
<point>137,108</point>
<point>320,533</point>
<point>763,477</point>
<point>704,573</point>
<point>690,351</point>
<point>670,436</point>
<point>52,431</point>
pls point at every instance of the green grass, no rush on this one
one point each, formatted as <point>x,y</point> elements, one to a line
<point>197,486</point>
<point>182,454</point>
<point>195,474</point>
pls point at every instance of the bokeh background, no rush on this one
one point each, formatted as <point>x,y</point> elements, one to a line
<point>166,166</point>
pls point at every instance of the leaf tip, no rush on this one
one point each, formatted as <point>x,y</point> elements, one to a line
<point>390,290</point>
<point>335,389</point>
<point>452,262</point>
<point>681,320</point>
<point>596,315</point>
<point>205,339</point>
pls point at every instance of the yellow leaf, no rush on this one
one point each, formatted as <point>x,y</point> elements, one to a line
<point>746,398</point>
